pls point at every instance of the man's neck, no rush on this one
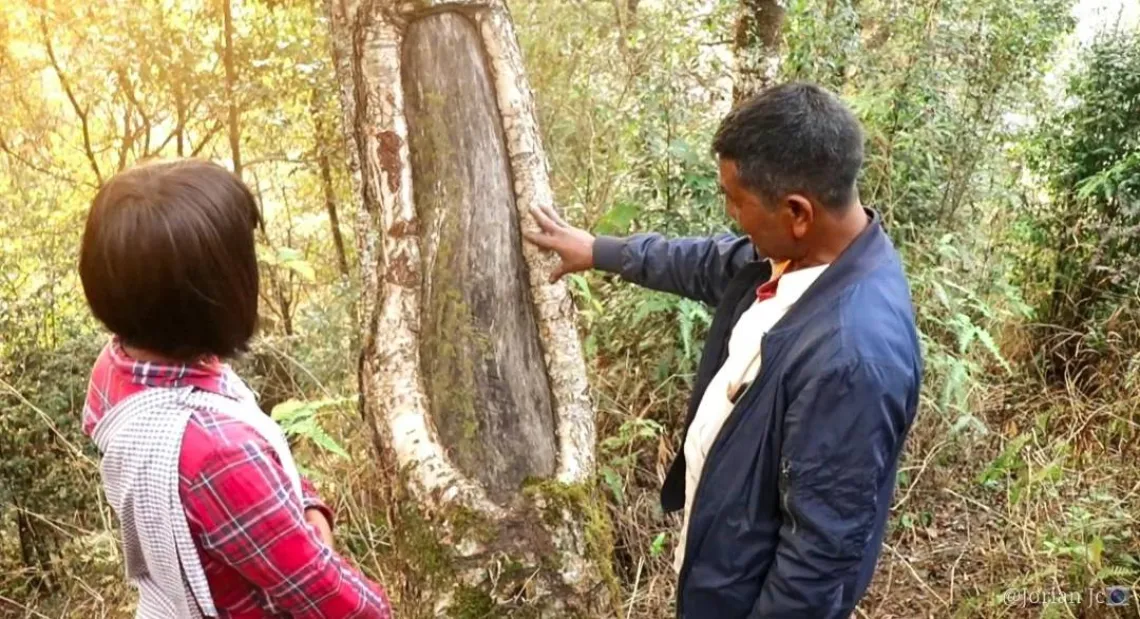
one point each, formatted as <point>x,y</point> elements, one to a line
<point>838,234</point>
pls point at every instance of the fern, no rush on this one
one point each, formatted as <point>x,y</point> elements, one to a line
<point>690,313</point>
<point>1009,459</point>
<point>988,341</point>
<point>685,322</point>
<point>298,418</point>
<point>321,439</point>
<point>615,483</point>
<point>953,391</point>
<point>1116,573</point>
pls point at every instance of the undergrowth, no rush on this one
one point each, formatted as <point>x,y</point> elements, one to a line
<point>1019,491</point>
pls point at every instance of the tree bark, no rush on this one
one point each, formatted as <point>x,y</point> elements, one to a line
<point>757,41</point>
<point>471,370</point>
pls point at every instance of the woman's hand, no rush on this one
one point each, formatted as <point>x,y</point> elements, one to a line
<point>316,518</point>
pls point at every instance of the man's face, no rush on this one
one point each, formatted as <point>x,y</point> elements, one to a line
<point>777,230</point>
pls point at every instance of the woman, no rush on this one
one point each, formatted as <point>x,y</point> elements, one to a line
<point>216,521</point>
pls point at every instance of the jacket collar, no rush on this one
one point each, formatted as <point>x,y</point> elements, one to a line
<point>869,250</point>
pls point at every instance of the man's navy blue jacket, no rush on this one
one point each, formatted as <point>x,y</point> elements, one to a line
<point>789,516</point>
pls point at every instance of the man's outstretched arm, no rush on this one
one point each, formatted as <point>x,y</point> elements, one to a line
<point>842,435</point>
<point>697,268</point>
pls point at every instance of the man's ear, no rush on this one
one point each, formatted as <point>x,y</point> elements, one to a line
<point>801,213</point>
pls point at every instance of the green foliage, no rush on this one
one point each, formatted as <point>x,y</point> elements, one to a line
<point>1087,237</point>
<point>952,98</point>
<point>944,91</point>
<point>472,603</point>
<point>48,469</point>
<point>936,85</point>
<point>955,317</point>
<point>657,547</point>
<point>620,452</point>
<point>1093,541</point>
<point>90,89</point>
<point>301,419</point>
<point>289,259</point>
<point>1008,461</point>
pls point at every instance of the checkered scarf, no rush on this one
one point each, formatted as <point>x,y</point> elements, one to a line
<point>140,437</point>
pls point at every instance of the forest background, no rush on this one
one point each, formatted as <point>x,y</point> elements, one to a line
<point>1003,150</point>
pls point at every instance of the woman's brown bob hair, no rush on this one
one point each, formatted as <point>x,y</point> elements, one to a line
<point>168,260</point>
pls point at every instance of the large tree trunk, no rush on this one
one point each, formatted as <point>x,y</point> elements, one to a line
<point>757,42</point>
<point>471,370</point>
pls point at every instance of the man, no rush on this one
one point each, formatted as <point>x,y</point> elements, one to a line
<point>810,374</point>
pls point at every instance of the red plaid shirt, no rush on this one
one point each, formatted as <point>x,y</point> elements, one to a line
<point>260,557</point>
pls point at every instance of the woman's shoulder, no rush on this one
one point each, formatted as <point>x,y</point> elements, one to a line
<point>214,438</point>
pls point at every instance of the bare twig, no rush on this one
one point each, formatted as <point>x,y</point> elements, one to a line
<point>284,355</point>
<point>128,140</point>
<point>77,452</point>
<point>30,612</point>
<point>206,139</point>
<point>55,524</point>
<point>922,469</point>
<point>987,509</point>
<point>31,165</point>
<point>636,585</point>
<point>914,573</point>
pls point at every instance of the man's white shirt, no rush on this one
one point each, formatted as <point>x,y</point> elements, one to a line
<point>741,368</point>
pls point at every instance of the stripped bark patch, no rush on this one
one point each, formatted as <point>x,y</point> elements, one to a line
<point>389,156</point>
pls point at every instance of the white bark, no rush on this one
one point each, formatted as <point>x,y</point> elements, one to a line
<point>390,258</point>
<point>367,37</point>
<point>562,348</point>
<point>392,299</point>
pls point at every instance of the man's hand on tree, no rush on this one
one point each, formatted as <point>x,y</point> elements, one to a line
<point>573,245</point>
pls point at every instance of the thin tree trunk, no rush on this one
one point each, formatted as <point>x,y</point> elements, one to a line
<point>471,369</point>
<point>180,126</point>
<point>330,208</point>
<point>323,138</point>
<point>757,55</point>
<point>231,81</point>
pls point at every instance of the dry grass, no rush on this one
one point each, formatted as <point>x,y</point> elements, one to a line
<point>972,549</point>
<point>957,547</point>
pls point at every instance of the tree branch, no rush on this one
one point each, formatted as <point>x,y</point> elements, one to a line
<point>79,110</point>
<point>177,131</point>
<point>278,159</point>
<point>128,139</point>
<point>206,139</point>
<point>128,89</point>
<point>185,115</point>
<point>31,165</point>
